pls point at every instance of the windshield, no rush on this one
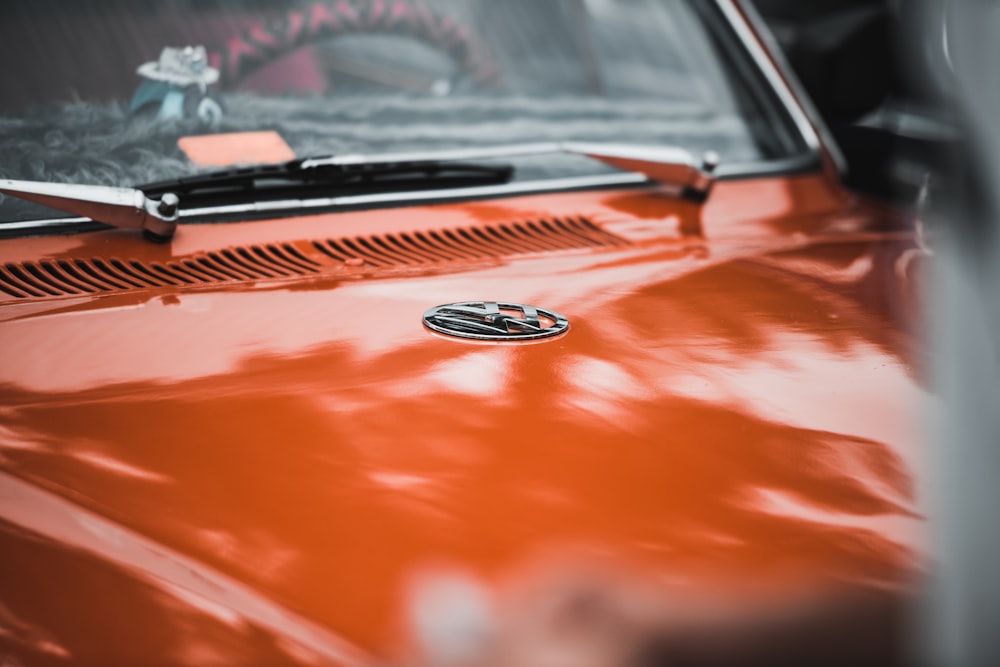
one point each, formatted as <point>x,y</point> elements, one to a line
<point>95,99</point>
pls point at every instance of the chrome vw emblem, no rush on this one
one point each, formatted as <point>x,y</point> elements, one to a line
<point>492,320</point>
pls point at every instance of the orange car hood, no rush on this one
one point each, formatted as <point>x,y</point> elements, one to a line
<point>257,472</point>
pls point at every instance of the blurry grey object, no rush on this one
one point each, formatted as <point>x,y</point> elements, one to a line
<point>964,606</point>
<point>177,84</point>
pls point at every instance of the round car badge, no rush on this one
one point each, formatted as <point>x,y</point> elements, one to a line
<point>495,321</point>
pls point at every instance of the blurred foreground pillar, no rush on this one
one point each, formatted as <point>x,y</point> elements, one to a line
<point>964,604</point>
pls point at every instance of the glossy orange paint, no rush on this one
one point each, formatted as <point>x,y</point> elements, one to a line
<point>254,473</point>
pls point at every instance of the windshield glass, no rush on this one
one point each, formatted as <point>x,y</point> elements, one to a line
<point>94,98</point>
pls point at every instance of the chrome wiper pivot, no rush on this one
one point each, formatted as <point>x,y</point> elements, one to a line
<point>119,207</point>
<point>667,165</point>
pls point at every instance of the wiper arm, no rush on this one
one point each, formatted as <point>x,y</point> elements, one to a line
<point>119,207</point>
<point>669,166</point>
<point>664,164</point>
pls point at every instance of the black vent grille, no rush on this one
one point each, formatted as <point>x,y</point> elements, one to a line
<point>78,276</point>
<point>468,243</point>
<point>91,276</point>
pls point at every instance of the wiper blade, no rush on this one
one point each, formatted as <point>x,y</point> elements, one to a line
<point>300,179</point>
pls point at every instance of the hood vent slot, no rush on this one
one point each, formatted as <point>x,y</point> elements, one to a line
<point>468,243</point>
<point>78,276</point>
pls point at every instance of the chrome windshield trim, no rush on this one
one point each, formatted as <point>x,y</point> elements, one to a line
<point>747,23</point>
<point>290,206</point>
<point>779,167</point>
<point>42,224</point>
<point>485,191</point>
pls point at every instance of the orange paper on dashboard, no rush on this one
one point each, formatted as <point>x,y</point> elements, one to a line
<point>224,150</point>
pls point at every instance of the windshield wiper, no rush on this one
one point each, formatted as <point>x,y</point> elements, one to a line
<point>156,207</point>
